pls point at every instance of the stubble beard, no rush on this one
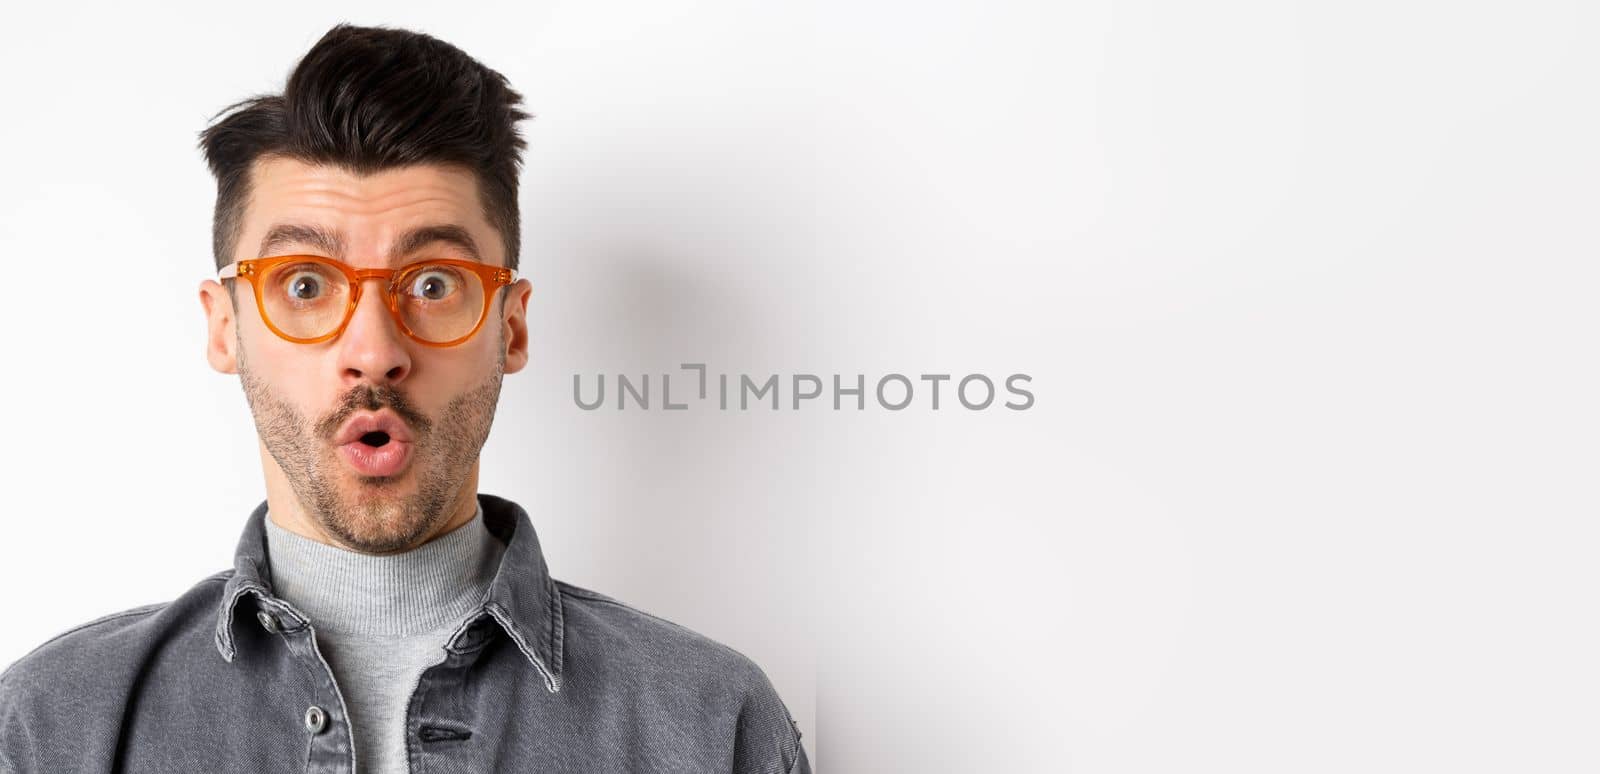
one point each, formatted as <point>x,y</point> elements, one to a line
<point>364,512</point>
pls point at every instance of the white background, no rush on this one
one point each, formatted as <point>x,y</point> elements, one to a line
<point>1305,289</point>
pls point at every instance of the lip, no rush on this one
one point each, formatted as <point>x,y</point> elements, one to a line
<point>363,422</point>
<point>385,460</point>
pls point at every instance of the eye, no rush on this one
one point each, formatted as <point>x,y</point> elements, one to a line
<point>305,285</point>
<point>435,283</point>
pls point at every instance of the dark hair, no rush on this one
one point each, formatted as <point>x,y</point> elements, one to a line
<point>372,98</point>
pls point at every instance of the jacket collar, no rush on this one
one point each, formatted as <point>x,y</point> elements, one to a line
<point>522,598</point>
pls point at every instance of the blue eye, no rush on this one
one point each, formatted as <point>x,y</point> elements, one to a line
<point>305,286</point>
<point>435,284</point>
<point>304,283</point>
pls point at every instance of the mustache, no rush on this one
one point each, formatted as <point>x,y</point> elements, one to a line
<point>369,397</point>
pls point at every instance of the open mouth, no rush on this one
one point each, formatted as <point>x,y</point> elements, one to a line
<point>376,454</point>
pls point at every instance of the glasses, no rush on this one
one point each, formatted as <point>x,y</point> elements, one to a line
<point>308,298</point>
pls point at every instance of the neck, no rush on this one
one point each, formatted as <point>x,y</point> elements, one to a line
<point>422,590</point>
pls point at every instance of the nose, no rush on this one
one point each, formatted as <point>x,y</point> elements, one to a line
<point>372,348</point>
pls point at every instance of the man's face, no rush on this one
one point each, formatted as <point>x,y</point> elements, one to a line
<point>304,396</point>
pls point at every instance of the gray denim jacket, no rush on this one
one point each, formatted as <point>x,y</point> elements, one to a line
<point>545,677</point>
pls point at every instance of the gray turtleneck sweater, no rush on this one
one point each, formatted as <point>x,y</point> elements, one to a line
<point>380,621</point>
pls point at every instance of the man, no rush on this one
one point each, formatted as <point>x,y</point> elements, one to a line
<point>382,615</point>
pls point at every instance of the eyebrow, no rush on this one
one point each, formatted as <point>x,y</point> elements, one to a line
<point>331,242</point>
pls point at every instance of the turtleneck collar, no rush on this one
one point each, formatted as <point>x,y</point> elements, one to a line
<point>429,587</point>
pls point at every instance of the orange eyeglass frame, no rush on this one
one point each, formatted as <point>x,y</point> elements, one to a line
<point>494,278</point>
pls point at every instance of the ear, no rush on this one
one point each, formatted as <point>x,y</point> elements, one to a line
<point>220,321</point>
<point>516,325</point>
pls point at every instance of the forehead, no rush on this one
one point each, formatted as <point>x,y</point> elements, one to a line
<point>369,214</point>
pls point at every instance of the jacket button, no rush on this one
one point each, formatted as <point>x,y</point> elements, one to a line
<point>267,621</point>
<point>316,719</point>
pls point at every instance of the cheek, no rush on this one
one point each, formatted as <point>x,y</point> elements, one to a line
<point>288,371</point>
<point>466,363</point>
